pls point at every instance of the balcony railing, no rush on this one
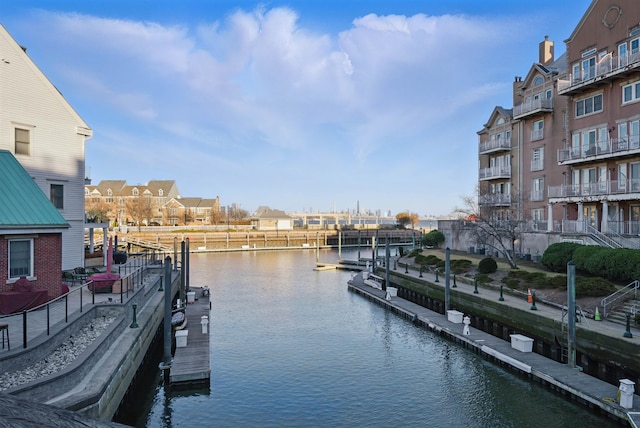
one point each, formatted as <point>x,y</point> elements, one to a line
<point>495,145</point>
<point>609,67</point>
<point>537,164</point>
<point>495,172</point>
<point>498,199</point>
<point>537,195</point>
<point>611,187</point>
<point>537,134</point>
<point>533,107</point>
<point>600,150</point>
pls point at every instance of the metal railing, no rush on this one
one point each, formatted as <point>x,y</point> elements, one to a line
<point>609,66</point>
<point>622,293</point>
<point>54,315</point>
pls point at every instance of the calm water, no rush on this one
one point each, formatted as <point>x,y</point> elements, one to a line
<point>291,347</point>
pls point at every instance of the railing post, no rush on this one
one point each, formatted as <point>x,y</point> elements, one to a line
<point>81,299</point>
<point>66,309</point>
<point>24,329</point>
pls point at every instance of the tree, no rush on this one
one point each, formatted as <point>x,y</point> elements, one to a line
<point>97,211</point>
<point>406,218</point>
<point>492,225</point>
<point>216,216</point>
<point>140,209</point>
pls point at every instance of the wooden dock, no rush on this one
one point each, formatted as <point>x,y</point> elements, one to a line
<point>192,364</point>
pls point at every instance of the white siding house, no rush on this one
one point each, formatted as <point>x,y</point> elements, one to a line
<point>47,137</point>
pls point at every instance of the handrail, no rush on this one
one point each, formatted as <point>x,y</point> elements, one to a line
<point>604,239</point>
<point>633,286</point>
<point>39,320</point>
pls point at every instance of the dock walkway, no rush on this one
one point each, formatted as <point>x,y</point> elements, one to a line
<point>595,393</point>
<point>191,364</point>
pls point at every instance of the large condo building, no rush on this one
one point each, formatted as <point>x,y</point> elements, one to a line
<point>566,157</point>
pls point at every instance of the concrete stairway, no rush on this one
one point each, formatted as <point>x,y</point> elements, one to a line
<point>619,315</point>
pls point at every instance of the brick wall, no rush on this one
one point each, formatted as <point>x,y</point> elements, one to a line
<point>47,263</point>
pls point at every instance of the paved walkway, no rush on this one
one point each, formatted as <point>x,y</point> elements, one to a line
<point>594,391</point>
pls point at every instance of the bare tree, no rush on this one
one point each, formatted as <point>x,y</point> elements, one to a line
<point>97,211</point>
<point>494,224</point>
<point>140,209</point>
<point>216,216</point>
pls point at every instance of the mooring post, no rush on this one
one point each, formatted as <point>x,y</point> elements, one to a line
<point>571,313</point>
<point>165,365</point>
<point>447,291</point>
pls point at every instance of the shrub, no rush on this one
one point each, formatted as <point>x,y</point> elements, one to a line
<point>487,265</point>
<point>556,256</point>
<point>433,238</point>
<point>483,278</point>
<point>460,265</point>
<point>511,282</point>
<point>593,287</point>
<point>415,252</point>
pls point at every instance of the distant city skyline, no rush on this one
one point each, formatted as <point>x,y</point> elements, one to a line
<point>292,105</point>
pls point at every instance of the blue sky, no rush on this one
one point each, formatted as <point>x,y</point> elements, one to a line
<point>297,105</point>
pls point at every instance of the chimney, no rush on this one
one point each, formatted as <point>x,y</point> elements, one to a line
<point>546,51</point>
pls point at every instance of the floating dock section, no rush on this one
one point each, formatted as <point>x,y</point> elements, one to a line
<point>192,362</point>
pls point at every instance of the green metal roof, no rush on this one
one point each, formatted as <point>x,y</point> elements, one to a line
<point>22,203</point>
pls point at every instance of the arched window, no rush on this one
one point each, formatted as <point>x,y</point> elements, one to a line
<point>135,191</point>
<point>538,81</point>
<point>109,192</point>
<point>160,192</point>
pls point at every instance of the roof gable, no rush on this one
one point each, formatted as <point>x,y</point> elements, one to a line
<point>24,205</point>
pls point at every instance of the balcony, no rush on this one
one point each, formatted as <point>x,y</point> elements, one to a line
<point>614,147</point>
<point>498,199</point>
<point>537,134</point>
<point>495,172</point>
<point>501,144</point>
<point>533,107</point>
<point>537,164</point>
<point>607,70</point>
<point>537,195</point>
<point>614,189</point>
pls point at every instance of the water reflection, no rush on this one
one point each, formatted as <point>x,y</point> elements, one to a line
<point>291,347</point>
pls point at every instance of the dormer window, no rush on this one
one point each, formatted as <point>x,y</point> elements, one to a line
<point>135,191</point>
<point>160,192</point>
<point>109,192</point>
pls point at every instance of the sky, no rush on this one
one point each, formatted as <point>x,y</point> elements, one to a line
<point>299,105</point>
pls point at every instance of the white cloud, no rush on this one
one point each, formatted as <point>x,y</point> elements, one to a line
<point>257,86</point>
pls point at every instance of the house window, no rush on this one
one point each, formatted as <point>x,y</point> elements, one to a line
<point>538,81</point>
<point>538,130</point>
<point>589,105</point>
<point>135,192</point>
<point>56,193</point>
<point>160,192</point>
<point>537,189</point>
<point>537,214</point>
<point>631,92</point>
<point>20,258</point>
<point>537,159</point>
<point>23,140</point>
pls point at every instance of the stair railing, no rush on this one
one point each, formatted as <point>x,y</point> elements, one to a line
<point>623,292</point>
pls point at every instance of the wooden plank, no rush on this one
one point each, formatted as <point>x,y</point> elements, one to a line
<point>191,364</point>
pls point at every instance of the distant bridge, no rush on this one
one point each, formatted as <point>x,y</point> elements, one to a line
<point>340,218</point>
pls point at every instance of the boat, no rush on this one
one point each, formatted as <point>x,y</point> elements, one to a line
<point>372,280</point>
<point>178,319</point>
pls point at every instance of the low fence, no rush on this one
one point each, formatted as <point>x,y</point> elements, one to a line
<point>55,315</point>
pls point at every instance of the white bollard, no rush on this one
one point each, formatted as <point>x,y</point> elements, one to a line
<point>204,322</point>
<point>625,393</point>
<point>466,321</point>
